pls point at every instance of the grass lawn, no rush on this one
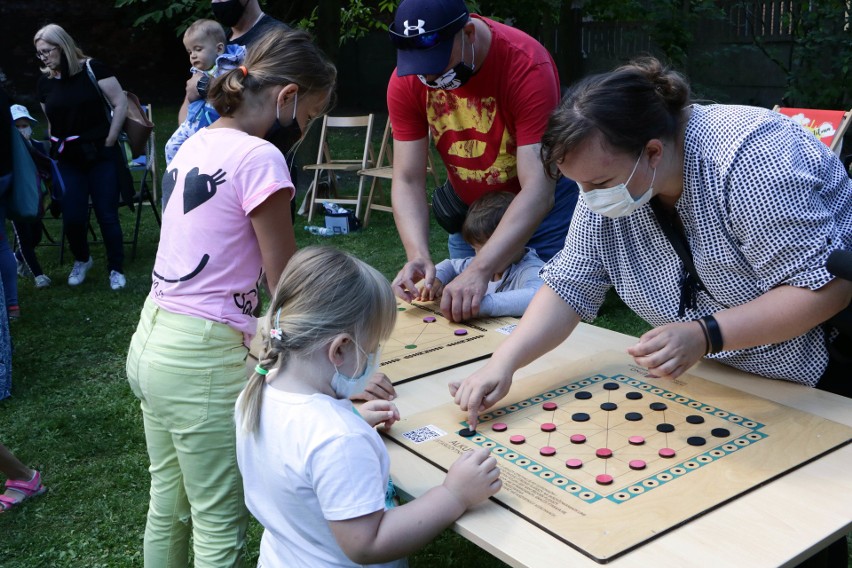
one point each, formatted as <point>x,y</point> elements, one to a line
<point>73,417</point>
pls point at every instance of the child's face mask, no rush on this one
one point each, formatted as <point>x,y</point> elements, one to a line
<point>344,386</point>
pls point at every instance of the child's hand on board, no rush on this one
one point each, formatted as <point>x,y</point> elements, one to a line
<point>379,412</point>
<point>474,477</point>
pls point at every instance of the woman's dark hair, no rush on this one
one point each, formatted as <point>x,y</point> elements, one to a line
<point>629,106</point>
<point>280,56</point>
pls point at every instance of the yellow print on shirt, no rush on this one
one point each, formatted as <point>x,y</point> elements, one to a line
<point>463,129</point>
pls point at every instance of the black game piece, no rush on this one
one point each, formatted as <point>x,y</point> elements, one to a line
<point>658,406</point>
<point>665,428</point>
<point>720,432</point>
<point>633,416</point>
<point>583,395</point>
<point>611,386</point>
<point>695,419</point>
<point>633,395</point>
<point>696,441</point>
<point>580,417</point>
<point>467,433</point>
<point>609,405</point>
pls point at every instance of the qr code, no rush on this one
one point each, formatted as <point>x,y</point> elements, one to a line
<point>423,434</point>
<point>507,329</point>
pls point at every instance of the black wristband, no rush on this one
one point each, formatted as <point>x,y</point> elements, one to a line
<point>201,86</point>
<point>714,333</point>
<point>706,336</point>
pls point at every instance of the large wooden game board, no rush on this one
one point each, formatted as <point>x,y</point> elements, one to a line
<point>612,457</point>
<point>425,342</point>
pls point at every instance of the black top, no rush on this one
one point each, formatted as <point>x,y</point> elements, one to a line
<point>264,24</point>
<point>74,105</point>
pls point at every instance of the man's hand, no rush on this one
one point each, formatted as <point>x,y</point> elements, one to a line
<point>461,297</point>
<point>405,284</point>
<point>192,87</point>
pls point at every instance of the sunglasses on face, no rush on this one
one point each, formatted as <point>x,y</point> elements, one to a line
<point>425,39</point>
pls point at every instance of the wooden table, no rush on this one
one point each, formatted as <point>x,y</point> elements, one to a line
<point>779,524</point>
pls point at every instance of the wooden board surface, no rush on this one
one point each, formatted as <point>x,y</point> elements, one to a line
<point>764,440</point>
<point>424,342</point>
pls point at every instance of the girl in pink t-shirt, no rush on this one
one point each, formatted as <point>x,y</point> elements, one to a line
<point>226,221</point>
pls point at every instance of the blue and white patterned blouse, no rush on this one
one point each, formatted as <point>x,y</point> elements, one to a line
<point>764,203</point>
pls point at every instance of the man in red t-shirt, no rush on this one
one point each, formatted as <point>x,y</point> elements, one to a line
<point>485,92</point>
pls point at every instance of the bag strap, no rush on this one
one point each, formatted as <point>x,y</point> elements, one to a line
<point>107,106</point>
<point>690,283</point>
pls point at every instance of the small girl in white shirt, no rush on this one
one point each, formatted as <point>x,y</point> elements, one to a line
<point>315,470</point>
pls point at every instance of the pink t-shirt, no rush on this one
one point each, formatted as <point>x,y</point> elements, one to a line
<point>209,261</point>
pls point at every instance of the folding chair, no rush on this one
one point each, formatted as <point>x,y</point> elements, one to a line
<point>384,170</point>
<point>827,125</point>
<point>331,165</point>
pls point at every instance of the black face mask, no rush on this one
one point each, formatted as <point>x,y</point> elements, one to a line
<point>228,13</point>
<point>285,137</point>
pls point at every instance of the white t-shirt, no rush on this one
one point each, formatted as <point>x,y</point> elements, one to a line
<point>209,261</point>
<point>312,460</point>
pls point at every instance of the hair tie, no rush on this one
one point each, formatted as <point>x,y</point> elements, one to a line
<point>244,70</point>
<point>260,370</point>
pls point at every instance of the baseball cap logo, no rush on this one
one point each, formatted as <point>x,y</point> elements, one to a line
<point>419,29</point>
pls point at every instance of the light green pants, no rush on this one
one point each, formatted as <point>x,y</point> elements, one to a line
<point>188,373</point>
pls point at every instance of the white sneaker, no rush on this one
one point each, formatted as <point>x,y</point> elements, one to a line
<point>42,281</point>
<point>78,272</point>
<point>117,281</point>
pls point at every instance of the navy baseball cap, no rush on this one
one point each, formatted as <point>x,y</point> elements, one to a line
<point>422,32</point>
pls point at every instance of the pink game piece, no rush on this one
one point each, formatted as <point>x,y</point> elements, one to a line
<point>637,464</point>
<point>517,439</point>
<point>604,479</point>
<point>429,319</point>
<point>460,332</point>
<point>636,440</point>
<point>549,406</point>
<point>577,438</point>
<point>548,427</point>
<point>499,427</point>
<point>574,463</point>
<point>547,451</point>
<point>603,453</point>
<point>667,453</point>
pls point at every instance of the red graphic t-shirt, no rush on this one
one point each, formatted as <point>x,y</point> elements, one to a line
<point>477,128</point>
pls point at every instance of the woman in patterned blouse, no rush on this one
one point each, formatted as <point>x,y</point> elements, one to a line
<point>757,202</point>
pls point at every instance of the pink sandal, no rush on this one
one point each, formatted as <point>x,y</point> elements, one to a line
<point>27,489</point>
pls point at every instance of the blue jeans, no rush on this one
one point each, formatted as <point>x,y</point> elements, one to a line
<point>8,269</point>
<point>96,180</point>
<point>549,238</point>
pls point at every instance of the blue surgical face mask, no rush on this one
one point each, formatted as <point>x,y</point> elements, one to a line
<point>616,201</point>
<point>344,386</point>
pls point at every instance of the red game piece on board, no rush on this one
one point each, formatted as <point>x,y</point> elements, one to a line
<point>548,427</point>
<point>499,427</point>
<point>667,453</point>
<point>547,451</point>
<point>577,438</point>
<point>460,332</point>
<point>603,453</point>
<point>637,464</point>
<point>429,319</point>
<point>574,463</point>
<point>604,479</point>
<point>549,406</point>
<point>517,439</point>
<point>636,440</point>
